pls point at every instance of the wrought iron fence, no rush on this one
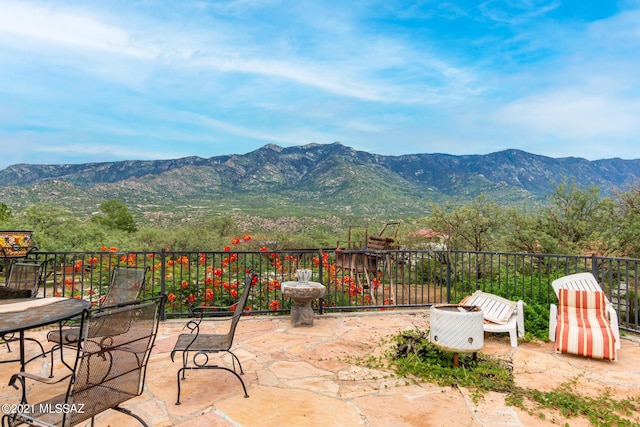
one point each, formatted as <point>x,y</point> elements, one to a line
<point>355,280</point>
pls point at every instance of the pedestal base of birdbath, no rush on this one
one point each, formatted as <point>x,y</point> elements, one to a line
<point>302,293</point>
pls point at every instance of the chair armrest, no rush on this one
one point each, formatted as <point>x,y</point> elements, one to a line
<point>613,322</point>
<point>21,376</point>
<point>38,378</point>
<point>553,321</point>
<point>520,318</point>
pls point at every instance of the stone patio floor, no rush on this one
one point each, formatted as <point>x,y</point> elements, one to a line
<point>308,376</point>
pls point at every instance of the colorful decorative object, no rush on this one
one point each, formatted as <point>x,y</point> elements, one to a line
<point>15,243</point>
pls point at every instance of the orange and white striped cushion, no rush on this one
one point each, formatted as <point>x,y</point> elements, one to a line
<point>583,327</point>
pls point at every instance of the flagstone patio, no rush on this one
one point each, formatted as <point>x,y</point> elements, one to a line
<point>307,376</point>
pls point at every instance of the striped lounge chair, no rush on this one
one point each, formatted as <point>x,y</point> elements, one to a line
<point>583,322</point>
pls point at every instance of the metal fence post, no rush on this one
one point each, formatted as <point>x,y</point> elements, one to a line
<point>594,265</point>
<point>163,283</point>
<point>448,276</point>
<point>321,301</point>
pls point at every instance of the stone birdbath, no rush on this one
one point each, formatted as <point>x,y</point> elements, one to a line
<point>302,293</point>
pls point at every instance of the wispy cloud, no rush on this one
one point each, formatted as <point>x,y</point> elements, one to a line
<point>207,78</point>
<point>517,11</point>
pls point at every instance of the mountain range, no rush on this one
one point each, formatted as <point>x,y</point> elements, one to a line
<point>312,179</point>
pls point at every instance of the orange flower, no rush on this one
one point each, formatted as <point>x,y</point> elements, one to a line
<point>149,256</point>
<point>246,238</point>
<point>235,241</point>
<point>113,249</point>
<point>103,248</point>
<point>263,249</point>
<point>185,284</point>
<point>234,293</point>
<point>273,285</point>
<point>227,249</point>
<point>274,305</point>
<point>218,272</point>
<point>171,297</point>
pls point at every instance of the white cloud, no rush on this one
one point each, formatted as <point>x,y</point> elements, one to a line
<point>516,11</point>
<point>203,77</point>
<point>70,28</point>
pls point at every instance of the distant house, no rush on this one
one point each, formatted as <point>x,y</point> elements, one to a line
<point>428,239</point>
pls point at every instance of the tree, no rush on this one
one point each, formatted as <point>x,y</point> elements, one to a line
<point>522,232</point>
<point>628,209</point>
<point>115,215</point>
<point>472,226</point>
<point>5,213</point>
<point>578,218</point>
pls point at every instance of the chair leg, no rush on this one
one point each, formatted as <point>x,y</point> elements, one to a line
<point>235,359</point>
<point>184,368</point>
<point>185,360</point>
<point>5,341</point>
<point>513,334</point>
<point>180,370</point>
<point>53,349</point>
<point>42,352</point>
<point>131,414</point>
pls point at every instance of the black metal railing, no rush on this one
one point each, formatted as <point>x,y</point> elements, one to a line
<point>355,280</point>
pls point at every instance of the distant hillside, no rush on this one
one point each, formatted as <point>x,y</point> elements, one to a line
<point>313,179</point>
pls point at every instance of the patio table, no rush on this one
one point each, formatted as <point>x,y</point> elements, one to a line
<point>19,315</point>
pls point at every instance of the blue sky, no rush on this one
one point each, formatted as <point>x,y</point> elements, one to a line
<point>91,81</point>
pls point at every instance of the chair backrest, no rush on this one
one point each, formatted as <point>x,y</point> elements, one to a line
<point>111,367</point>
<point>241,304</point>
<point>227,339</point>
<point>571,302</point>
<point>126,285</point>
<point>577,282</point>
<point>494,308</point>
<point>25,278</point>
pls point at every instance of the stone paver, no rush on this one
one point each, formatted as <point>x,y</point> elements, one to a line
<point>313,376</point>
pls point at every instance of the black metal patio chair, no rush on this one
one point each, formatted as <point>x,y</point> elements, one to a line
<point>109,369</point>
<point>125,285</point>
<point>202,345</point>
<point>23,281</point>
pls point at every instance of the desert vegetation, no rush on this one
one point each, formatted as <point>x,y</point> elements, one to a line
<point>574,220</point>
